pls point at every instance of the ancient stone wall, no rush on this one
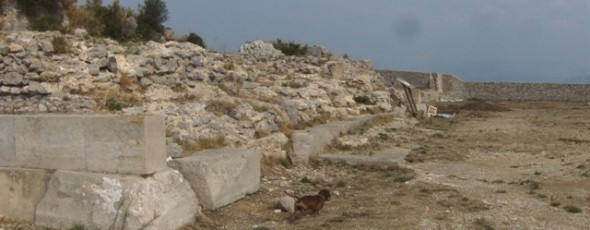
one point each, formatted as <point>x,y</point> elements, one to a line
<point>527,91</point>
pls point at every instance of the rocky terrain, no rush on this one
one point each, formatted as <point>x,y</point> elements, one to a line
<point>252,99</point>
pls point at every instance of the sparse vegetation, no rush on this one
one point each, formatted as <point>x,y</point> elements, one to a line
<point>531,184</point>
<point>196,39</point>
<point>43,15</point>
<point>191,146</point>
<point>60,45</point>
<point>307,180</point>
<point>113,105</point>
<point>482,223</point>
<point>229,66</point>
<point>77,227</point>
<point>290,48</point>
<point>572,209</point>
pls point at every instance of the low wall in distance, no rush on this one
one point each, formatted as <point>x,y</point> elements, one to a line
<point>527,91</point>
<point>450,86</point>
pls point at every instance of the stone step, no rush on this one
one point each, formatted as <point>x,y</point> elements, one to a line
<point>92,143</point>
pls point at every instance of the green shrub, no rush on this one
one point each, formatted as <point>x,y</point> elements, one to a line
<point>196,39</point>
<point>112,105</point>
<point>572,209</point>
<point>60,45</point>
<point>152,14</point>
<point>42,15</point>
<point>290,48</point>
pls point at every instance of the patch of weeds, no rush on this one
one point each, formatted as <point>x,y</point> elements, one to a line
<point>295,84</point>
<point>554,202</point>
<point>497,182</point>
<point>581,166</point>
<point>572,209</point>
<point>77,227</point>
<point>220,107</point>
<point>322,118</point>
<point>537,173</point>
<point>341,184</point>
<point>482,223</point>
<point>113,105</point>
<point>435,190</point>
<point>307,180</point>
<point>383,136</point>
<point>125,81</point>
<point>586,174</point>
<point>60,45</point>
<point>514,166</point>
<point>362,99</point>
<point>290,48</point>
<point>403,178</point>
<point>500,191</point>
<point>191,146</point>
<point>531,184</point>
<point>572,140</point>
<point>542,195</point>
<point>261,228</point>
<point>482,180</point>
<point>229,66</point>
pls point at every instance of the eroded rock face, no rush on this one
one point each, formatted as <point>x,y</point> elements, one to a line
<point>107,201</point>
<point>254,94</point>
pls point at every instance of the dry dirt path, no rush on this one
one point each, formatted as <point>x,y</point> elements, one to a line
<point>528,168</point>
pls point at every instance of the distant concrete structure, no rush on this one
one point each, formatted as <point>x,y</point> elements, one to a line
<point>437,86</point>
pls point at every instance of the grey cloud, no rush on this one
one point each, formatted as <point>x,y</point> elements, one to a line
<point>407,28</point>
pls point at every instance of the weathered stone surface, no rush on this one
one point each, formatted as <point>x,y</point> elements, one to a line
<point>98,143</point>
<point>287,203</point>
<point>383,158</point>
<point>312,141</point>
<point>12,78</point>
<point>105,201</point>
<point>112,65</point>
<point>260,49</point>
<point>20,192</point>
<point>222,176</point>
<point>15,48</point>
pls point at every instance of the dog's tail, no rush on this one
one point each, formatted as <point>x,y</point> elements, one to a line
<point>291,195</point>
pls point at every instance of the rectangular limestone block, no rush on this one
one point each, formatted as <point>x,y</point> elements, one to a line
<point>20,192</point>
<point>7,150</point>
<point>94,143</point>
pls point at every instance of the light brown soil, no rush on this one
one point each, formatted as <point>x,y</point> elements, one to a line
<point>516,169</point>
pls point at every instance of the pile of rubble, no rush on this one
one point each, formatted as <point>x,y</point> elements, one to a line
<point>251,99</point>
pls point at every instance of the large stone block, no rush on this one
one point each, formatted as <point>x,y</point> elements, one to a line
<point>222,176</point>
<point>312,141</point>
<point>96,143</point>
<point>108,201</point>
<point>20,191</point>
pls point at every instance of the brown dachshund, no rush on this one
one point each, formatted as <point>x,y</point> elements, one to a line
<point>311,202</point>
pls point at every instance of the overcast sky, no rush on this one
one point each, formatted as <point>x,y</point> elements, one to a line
<point>477,40</point>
